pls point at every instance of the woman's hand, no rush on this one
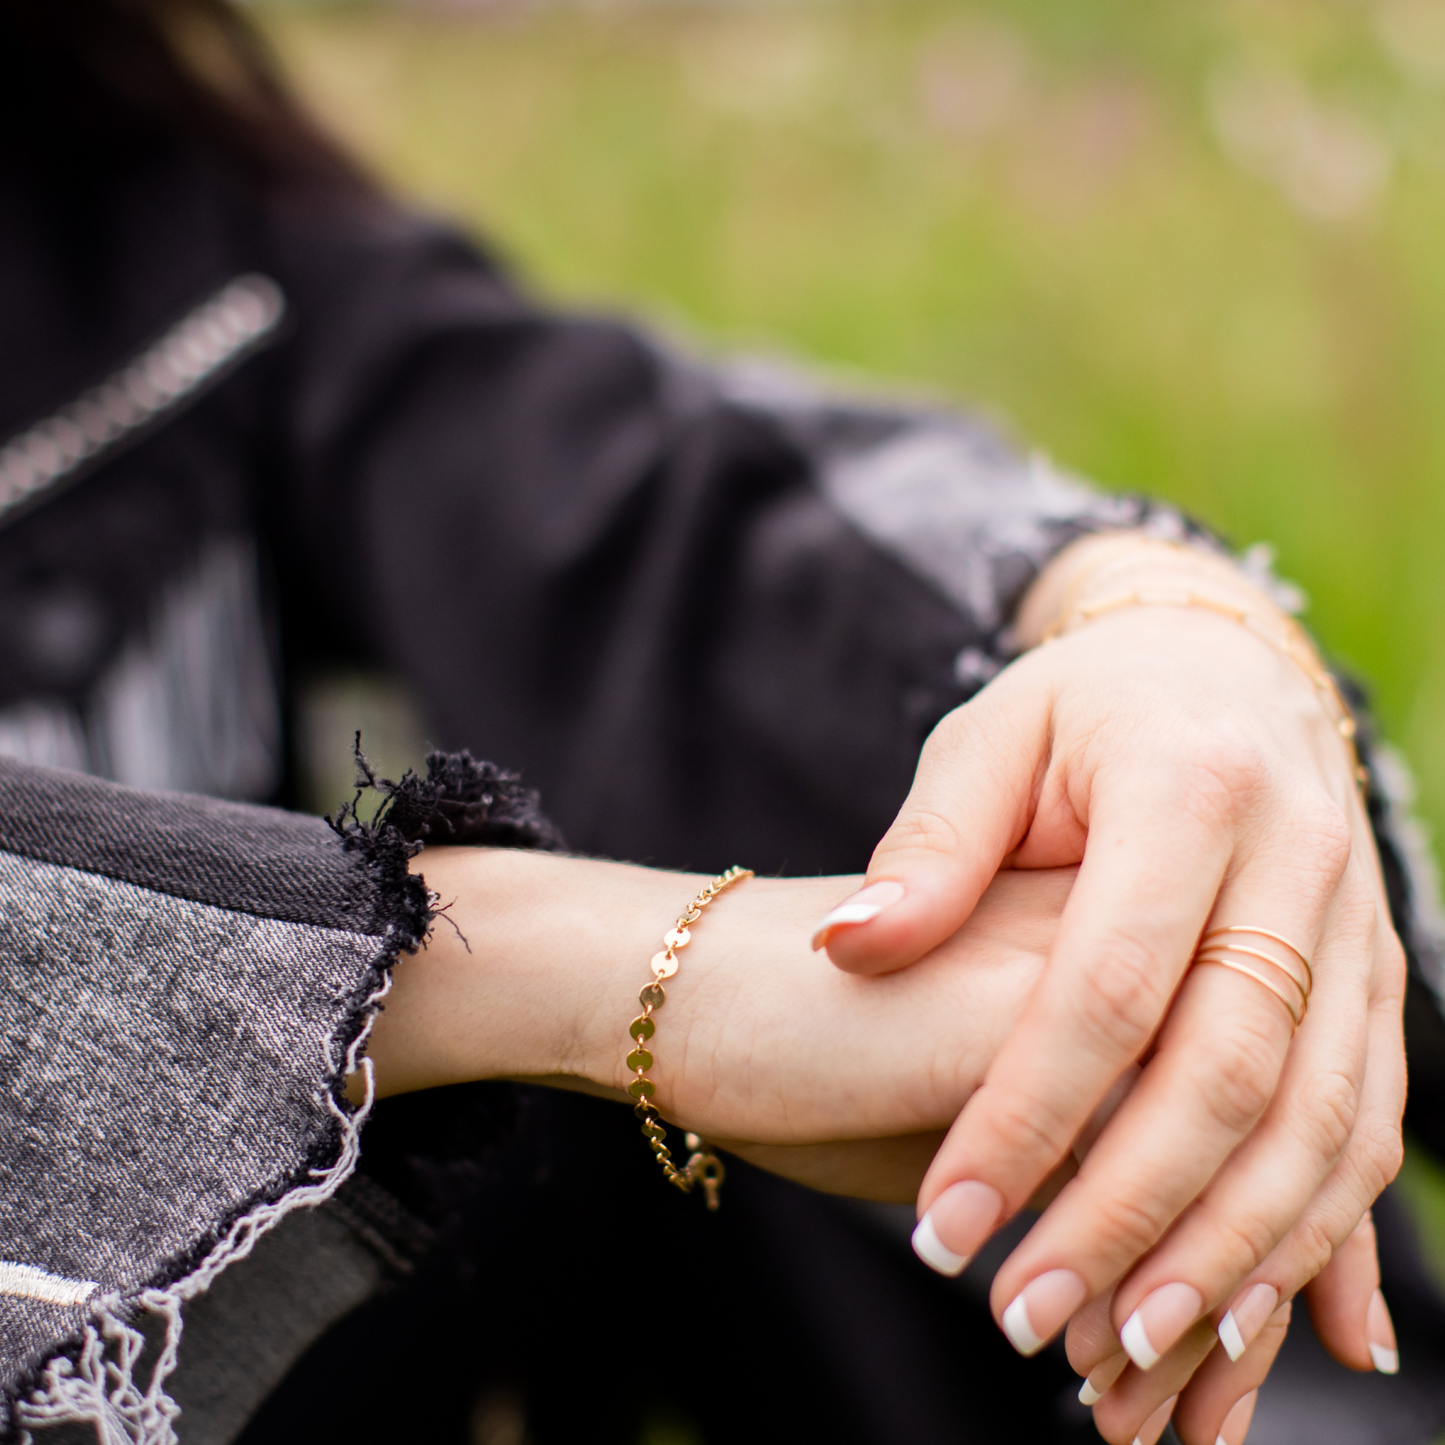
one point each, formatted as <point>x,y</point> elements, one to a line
<point>1209,1390</point>
<point>844,1083</point>
<point>1192,771</point>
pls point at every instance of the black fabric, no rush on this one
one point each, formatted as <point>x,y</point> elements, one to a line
<point>609,1302</point>
<point>587,558</point>
<point>584,560</point>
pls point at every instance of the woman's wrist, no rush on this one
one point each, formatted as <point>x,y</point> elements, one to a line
<point>534,970</point>
<point>1099,576</point>
<point>1112,565</point>
<point>521,974</point>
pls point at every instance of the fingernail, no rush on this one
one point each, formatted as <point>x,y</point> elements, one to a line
<point>1155,1327</point>
<point>1380,1332</point>
<point>862,907</point>
<point>1153,1427</point>
<point>1042,1309</point>
<point>957,1222</point>
<point>1246,1317</point>
<point>1101,1377</point>
<point>1236,1423</point>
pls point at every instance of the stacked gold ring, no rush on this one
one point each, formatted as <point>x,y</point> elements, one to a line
<point>1217,946</point>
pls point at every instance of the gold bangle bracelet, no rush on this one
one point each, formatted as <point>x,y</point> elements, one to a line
<point>703,1166</point>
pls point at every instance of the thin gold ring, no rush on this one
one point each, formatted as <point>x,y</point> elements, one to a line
<point>1294,948</point>
<point>1263,957</point>
<point>1259,978</point>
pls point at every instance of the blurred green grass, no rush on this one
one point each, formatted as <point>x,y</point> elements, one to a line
<point>1191,247</point>
<point>1072,216</point>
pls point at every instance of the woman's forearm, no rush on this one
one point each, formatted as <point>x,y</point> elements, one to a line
<point>533,972</point>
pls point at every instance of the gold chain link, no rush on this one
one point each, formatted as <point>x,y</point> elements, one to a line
<point>703,1167</point>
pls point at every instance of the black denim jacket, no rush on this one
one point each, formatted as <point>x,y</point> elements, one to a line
<point>257,437</point>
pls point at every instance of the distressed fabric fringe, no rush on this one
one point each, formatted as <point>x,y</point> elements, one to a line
<point>98,1380</point>
<point>99,1385</point>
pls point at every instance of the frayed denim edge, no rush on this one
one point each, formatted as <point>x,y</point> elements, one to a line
<point>93,1381</point>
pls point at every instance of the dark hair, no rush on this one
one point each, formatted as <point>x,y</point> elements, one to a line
<point>86,82</point>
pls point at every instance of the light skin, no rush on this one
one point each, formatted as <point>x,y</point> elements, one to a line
<point>1192,772</point>
<point>1196,777</point>
<point>846,1084</point>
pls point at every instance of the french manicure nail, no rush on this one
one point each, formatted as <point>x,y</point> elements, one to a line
<point>1153,1427</point>
<point>1101,1377</point>
<point>1155,1327</point>
<point>957,1222</point>
<point>1245,1318</point>
<point>1380,1332</point>
<point>863,907</point>
<point>1236,1423</point>
<point>1042,1309</point>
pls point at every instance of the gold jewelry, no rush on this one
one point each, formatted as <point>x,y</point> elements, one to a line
<point>704,1167</point>
<point>1217,947</point>
<point>1288,638</point>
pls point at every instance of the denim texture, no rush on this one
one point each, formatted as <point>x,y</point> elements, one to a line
<point>166,1064</point>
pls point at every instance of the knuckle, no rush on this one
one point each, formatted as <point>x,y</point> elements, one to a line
<point>1314,1248</point>
<point>1126,1226</point>
<point>1237,1069</point>
<point>1126,995</point>
<point>1025,1129</point>
<point>1239,1240</point>
<point>1220,775</point>
<point>1320,840</point>
<point>1333,1104</point>
<point>1381,1153</point>
<point>1330,829</point>
<point>1121,1431</point>
<point>920,830</point>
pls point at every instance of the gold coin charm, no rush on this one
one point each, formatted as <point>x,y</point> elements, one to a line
<point>639,1059</point>
<point>642,1028</point>
<point>677,938</point>
<point>653,996</point>
<point>664,965</point>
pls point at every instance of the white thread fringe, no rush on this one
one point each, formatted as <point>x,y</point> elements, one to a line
<point>99,1387</point>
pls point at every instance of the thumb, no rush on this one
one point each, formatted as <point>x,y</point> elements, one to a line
<point>968,808</point>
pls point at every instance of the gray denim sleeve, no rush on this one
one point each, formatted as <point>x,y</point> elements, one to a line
<point>186,985</point>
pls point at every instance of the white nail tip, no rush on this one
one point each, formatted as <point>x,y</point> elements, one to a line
<point>1220,1440</point>
<point>846,913</point>
<point>1088,1395</point>
<point>933,1251</point>
<point>1230,1338</point>
<point>1135,1340</point>
<point>1019,1329</point>
<point>1387,1362</point>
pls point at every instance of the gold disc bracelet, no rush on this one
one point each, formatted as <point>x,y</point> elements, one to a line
<point>703,1167</point>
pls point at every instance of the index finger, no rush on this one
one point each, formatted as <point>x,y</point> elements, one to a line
<point>1156,855</point>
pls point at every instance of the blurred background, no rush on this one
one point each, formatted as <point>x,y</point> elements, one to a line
<point>1189,247</point>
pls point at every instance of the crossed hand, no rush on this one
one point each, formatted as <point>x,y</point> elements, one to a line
<point>1196,772</point>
